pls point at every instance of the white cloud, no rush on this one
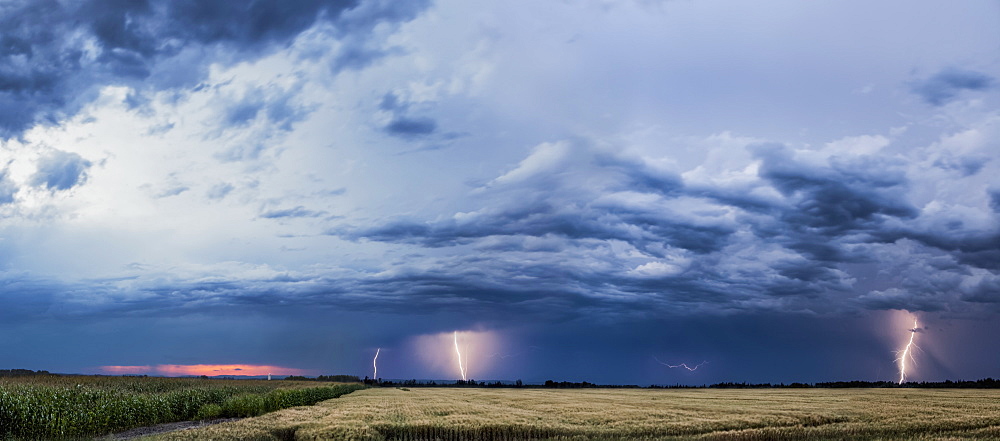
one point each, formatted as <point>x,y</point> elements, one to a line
<point>542,162</point>
<point>657,269</point>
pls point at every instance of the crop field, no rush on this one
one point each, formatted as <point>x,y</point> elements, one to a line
<point>627,414</point>
<point>75,407</point>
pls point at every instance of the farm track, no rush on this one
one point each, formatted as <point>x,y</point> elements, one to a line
<point>163,428</point>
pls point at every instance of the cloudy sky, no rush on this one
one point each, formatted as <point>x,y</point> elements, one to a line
<point>582,189</point>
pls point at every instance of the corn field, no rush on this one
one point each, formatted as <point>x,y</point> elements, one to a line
<point>452,414</point>
<point>51,407</point>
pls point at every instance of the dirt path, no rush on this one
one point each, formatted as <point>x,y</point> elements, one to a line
<point>163,428</point>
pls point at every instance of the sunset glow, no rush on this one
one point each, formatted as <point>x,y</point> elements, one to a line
<point>174,370</point>
<point>126,370</point>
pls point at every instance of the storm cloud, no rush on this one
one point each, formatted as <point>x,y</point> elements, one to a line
<point>55,55</point>
<point>944,86</point>
<point>60,171</point>
<point>607,181</point>
<point>623,236</point>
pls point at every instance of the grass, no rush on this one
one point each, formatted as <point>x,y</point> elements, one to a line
<point>615,414</point>
<point>75,407</point>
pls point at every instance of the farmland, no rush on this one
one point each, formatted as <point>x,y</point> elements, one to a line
<point>629,414</point>
<point>54,407</point>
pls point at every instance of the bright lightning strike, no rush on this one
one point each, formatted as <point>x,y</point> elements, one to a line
<point>907,353</point>
<point>375,364</point>
<point>461,368</point>
<point>682,365</point>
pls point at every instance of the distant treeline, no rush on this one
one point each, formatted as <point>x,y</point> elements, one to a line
<point>21,372</point>
<point>333,378</point>
<point>986,383</point>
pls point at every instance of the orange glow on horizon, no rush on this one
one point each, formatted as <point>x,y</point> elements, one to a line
<point>125,370</point>
<point>204,369</point>
<point>227,369</point>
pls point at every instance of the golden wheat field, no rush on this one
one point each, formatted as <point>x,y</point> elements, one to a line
<point>627,414</point>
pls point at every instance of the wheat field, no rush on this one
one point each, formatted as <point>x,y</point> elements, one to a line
<point>627,414</point>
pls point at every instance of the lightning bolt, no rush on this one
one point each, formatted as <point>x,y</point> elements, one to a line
<point>907,353</point>
<point>375,364</point>
<point>461,368</point>
<point>682,365</point>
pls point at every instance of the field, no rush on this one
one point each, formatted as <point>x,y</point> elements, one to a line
<point>617,414</point>
<point>74,407</point>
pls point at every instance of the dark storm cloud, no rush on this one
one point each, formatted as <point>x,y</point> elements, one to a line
<point>60,171</point>
<point>944,86</point>
<point>822,204</point>
<point>986,291</point>
<point>299,211</point>
<point>243,112</point>
<point>406,292</point>
<point>407,127</point>
<point>35,63</point>
<point>549,205</point>
<point>390,102</point>
<point>24,301</point>
<point>736,251</point>
<point>838,199</point>
<point>441,291</point>
<point>402,124</point>
<point>970,247</point>
<point>275,105</point>
<point>582,226</point>
<point>481,287</point>
<point>826,206</point>
<point>966,166</point>
<point>246,25</point>
<point>358,55</point>
<point>542,217</point>
<point>636,175</point>
<point>357,52</point>
<point>54,55</point>
<point>994,194</point>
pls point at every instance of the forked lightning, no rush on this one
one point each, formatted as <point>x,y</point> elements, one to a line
<point>907,352</point>
<point>682,365</point>
<point>461,367</point>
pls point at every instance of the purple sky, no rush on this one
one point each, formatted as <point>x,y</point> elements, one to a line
<point>581,188</point>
